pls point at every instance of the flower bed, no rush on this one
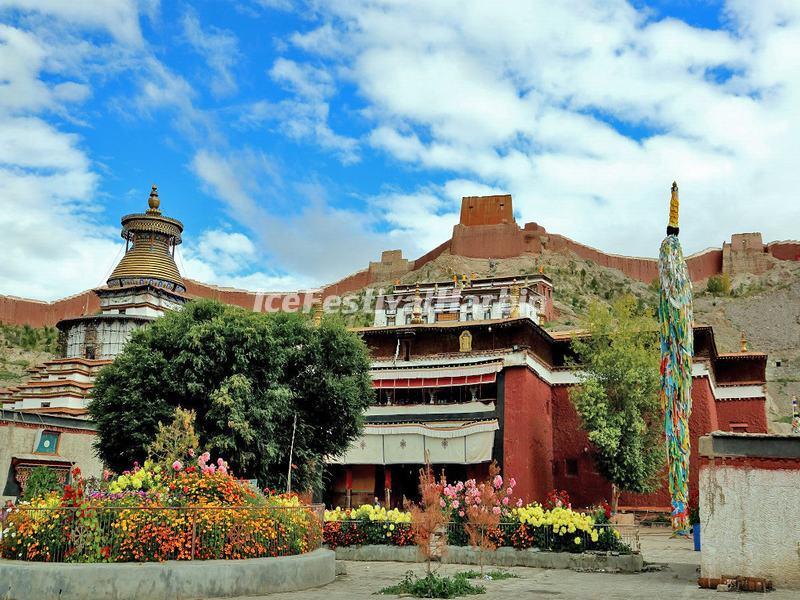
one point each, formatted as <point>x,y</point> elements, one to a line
<point>151,514</point>
<point>553,527</point>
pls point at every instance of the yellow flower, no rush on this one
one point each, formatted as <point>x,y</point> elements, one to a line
<point>577,540</point>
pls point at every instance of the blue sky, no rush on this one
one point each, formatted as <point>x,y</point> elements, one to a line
<point>296,140</point>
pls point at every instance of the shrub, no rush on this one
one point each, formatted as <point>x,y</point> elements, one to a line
<point>434,586</point>
<point>719,285</point>
<point>41,481</point>
<point>153,514</point>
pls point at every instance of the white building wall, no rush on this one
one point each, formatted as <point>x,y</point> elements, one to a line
<point>750,523</point>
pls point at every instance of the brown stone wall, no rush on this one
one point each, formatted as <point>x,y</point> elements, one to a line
<point>487,241</point>
<point>486,210</point>
<point>745,253</point>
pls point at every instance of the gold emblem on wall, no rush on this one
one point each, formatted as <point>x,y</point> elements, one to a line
<point>465,341</point>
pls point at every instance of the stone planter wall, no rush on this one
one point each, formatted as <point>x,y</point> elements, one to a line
<point>171,580</point>
<point>505,557</point>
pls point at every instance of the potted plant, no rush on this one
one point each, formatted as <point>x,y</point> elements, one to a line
<point>694,520</point>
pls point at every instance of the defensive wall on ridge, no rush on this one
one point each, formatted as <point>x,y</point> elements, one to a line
<point>486,229</point>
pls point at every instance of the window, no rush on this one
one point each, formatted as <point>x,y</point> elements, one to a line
<point>122,311</point>
<point>739,427</point>
<point>405,349</point>
<point>90,352</point>
<point>409,316</point>
<point>45,405</point>
<point>390,319</point>
<point>571,467</point>
<point>468,315</point>
<point>48,442</point>
<point>487,312</point>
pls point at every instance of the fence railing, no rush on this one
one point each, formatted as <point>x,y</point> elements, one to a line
<point>143,534</point>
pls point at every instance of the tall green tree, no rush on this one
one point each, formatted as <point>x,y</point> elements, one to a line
<point>246,375</point>
<point>618,397</point>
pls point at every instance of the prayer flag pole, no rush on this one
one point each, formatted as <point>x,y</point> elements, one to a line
<point>677,347</point>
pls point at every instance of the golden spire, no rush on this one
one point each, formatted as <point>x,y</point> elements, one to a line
<point>744,342</point>
<point>317,312</point>
<point>153,201</point>
<point>416,312</point>
<point>514,312</point>
<point>672,228</point>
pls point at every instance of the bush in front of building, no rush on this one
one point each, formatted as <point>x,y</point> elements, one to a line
<point>557,529</point>
<point>367,524</point>
<point>154,514</point>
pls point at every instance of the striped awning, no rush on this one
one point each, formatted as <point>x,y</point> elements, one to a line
<point>435,377</point>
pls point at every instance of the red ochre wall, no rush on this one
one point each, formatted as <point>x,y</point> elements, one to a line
<point>21,311</point>
<point>570,442</point>
<point>784,250</point>
<point>527,433</point>
<point>751,411</point>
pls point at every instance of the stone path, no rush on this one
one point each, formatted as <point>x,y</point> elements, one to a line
<point>677,579</point>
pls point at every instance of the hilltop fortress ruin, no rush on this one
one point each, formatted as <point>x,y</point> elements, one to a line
<point>486,229</point>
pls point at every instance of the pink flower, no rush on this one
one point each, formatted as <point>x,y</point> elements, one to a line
<point>505,501</point>
<point>220,462</point>
<point>442,502</point>
<point>498,482</point>
<point>191,452</point>
<point>455,503</point>
<point>509,491</point>
<point>223,469</point>
<point>177,466</point>
<point>461,513</point>
<point>513,482</point>
<point>519,503</point>
<point>496,510</point>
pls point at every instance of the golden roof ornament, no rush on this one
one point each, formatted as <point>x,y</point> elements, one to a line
<point>514,312</point>
<point>416,312</point>
<point>672,228</point>
<point>317,312</point>
<point>153,201</point>
<point>744,342</point>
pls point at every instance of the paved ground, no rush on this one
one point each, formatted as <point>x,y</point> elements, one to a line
<point>676,580</point>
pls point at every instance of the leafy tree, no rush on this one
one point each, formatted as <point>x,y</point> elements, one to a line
<point>246,375</point>
<point>618,398</point>
<point>719,285</point>
<point>176,440</point>
<point>41,481</point>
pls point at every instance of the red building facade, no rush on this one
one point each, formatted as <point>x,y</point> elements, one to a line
<point>537,432</point>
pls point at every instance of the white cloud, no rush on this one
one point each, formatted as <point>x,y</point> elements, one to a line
<point>305,116</point>
<point>302,233</point>
<point>119,17</point>
<point>219,48</point>
<point>539,98</point>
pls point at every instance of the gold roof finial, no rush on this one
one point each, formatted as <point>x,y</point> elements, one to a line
<point>416,310</point>
<point>672,228</point>
<point>317,312</point>
<point>154,201</point>
<point>744,342</point>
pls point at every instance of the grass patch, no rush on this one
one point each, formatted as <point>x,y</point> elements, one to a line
<point>495,575</point>
<point>434,586</point>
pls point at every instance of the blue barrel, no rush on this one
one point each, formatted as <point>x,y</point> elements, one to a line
<point>696,536</point>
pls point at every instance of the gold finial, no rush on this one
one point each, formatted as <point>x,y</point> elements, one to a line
<point>416,312</point>
<point>673,208</point>
<point>744,342</point>
<point>541,269</point>
<point>514,312</point>
<point>153,201</point>
<point>317,312</point>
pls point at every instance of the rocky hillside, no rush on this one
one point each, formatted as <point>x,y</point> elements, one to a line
<point>766,307</point>
<point>21,348</point>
